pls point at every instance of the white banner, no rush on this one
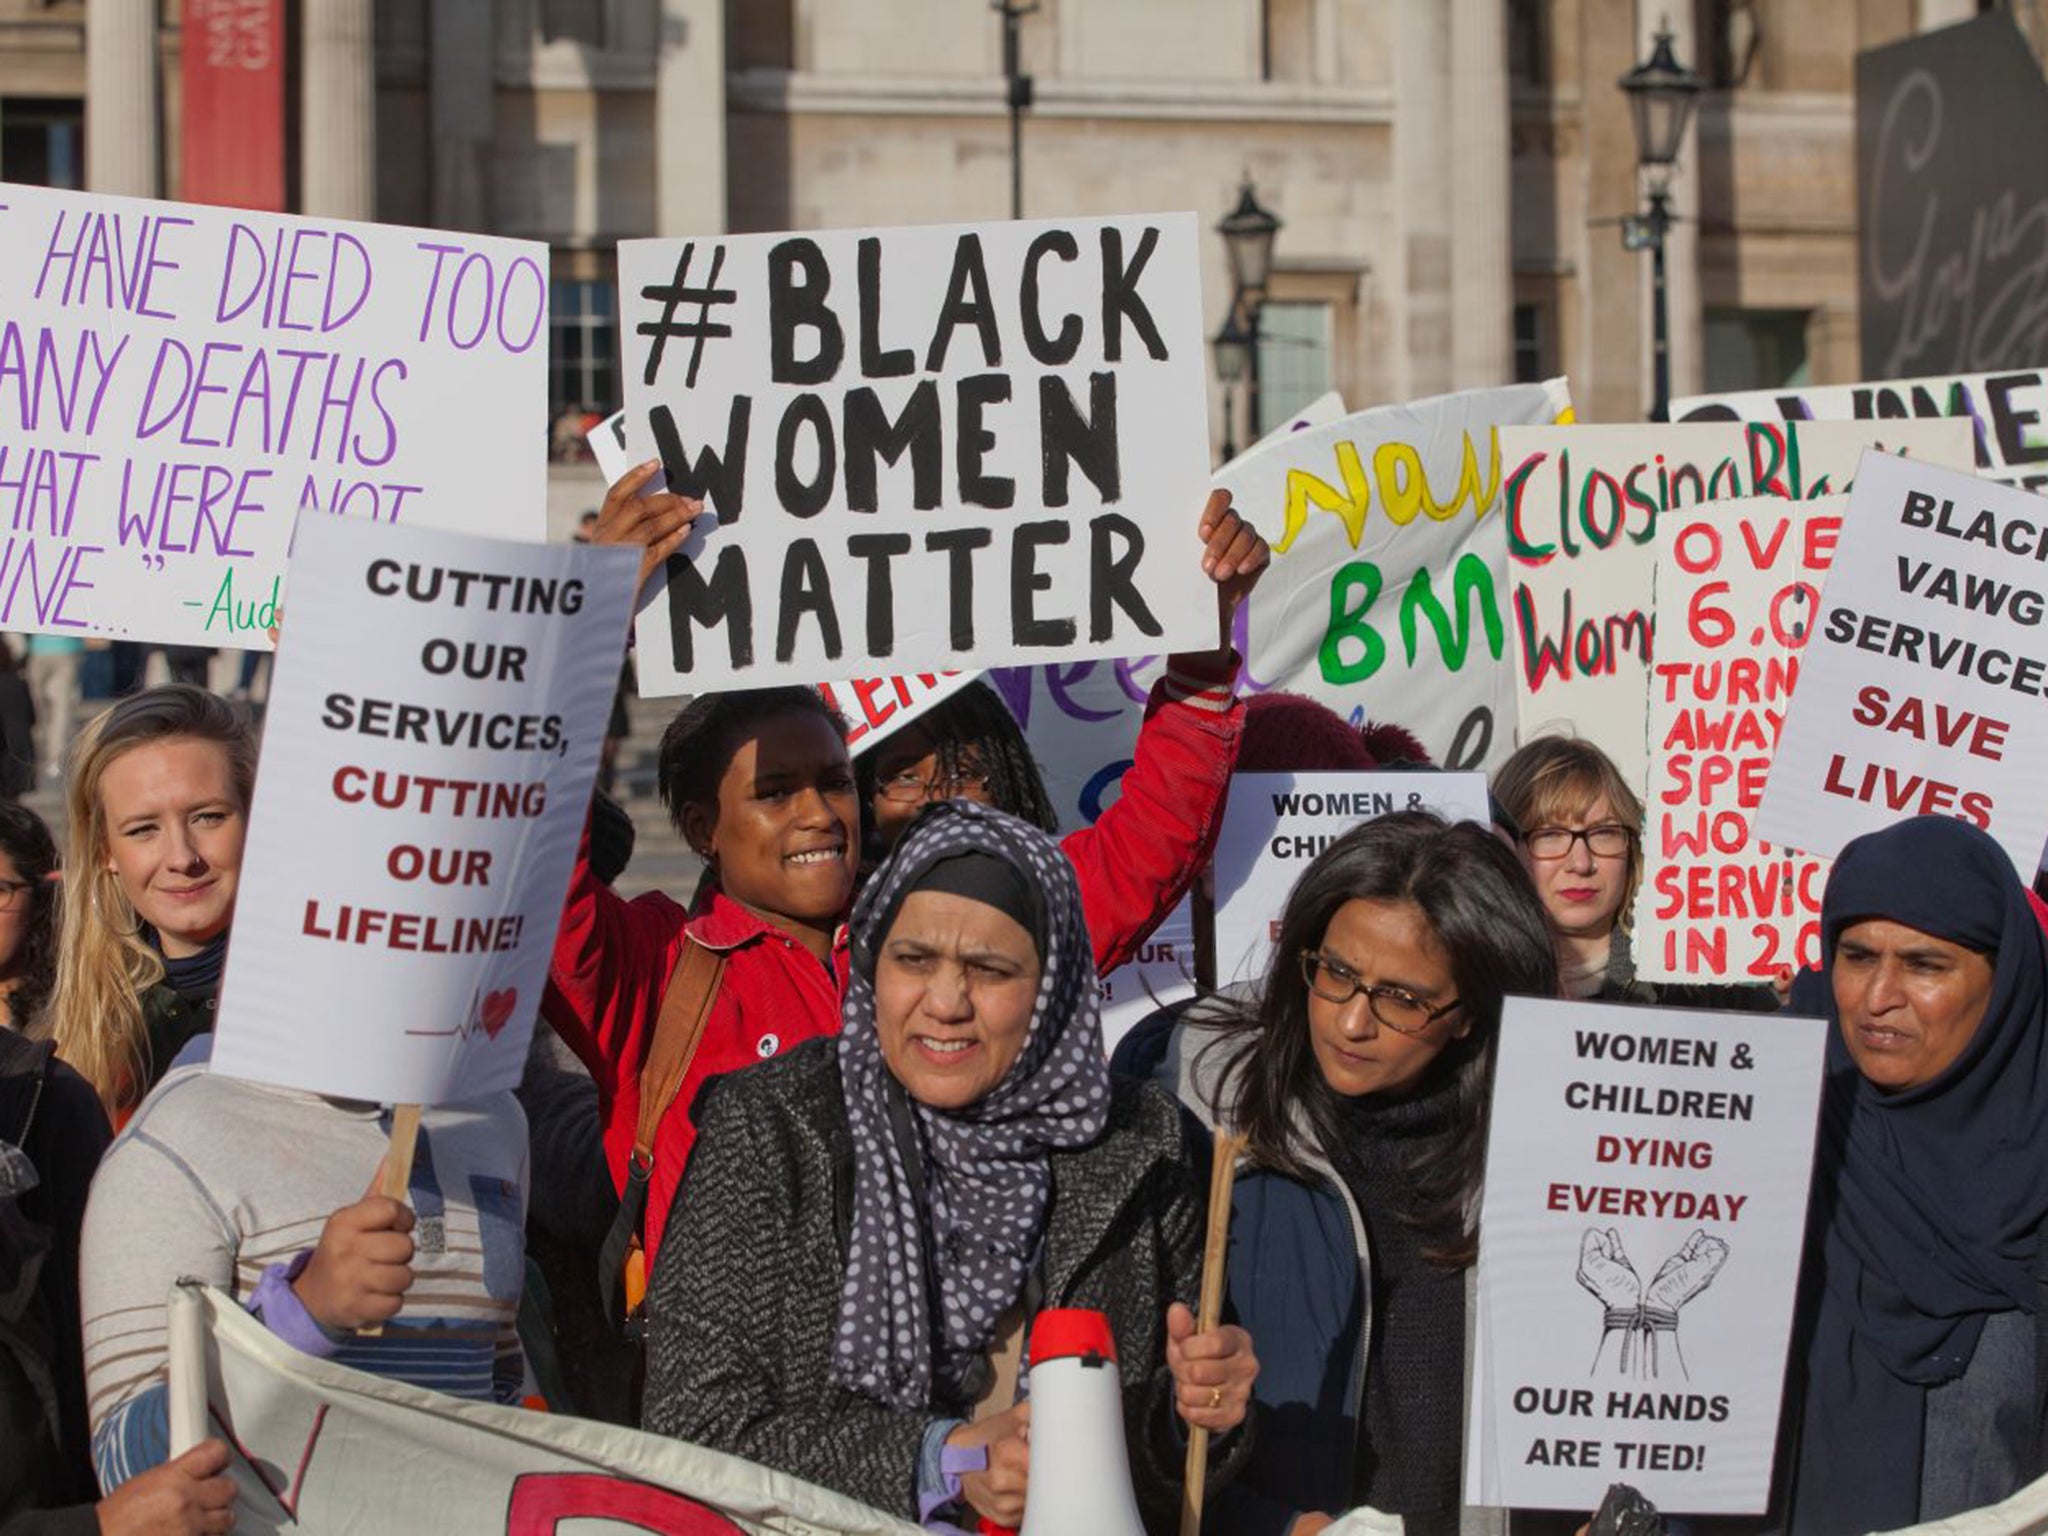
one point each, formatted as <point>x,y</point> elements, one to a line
<point>321,1450</point>
<point>927,447</point>
<point>1583,506</point>
<point>178,381</point>
<point>1640,1234</point>
<point>427,764</point>
<point>1277,824</point>
<point>2004,412</point>
<point>1739,585</point>
<point>1921,692</point>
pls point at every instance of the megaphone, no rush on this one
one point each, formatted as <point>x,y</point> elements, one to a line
<point>1080,1478</point>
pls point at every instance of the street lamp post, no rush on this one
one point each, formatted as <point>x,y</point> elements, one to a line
<point>1232,347</point>
<point>1248,231</point>
<point>1661,94</point>
<point>1013,12</point>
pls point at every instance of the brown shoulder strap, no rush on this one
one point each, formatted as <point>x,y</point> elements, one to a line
<point>685,1008</point>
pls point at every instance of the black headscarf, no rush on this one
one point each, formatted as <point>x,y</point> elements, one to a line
<point>1932,1198</point>
<point>968,1221</point>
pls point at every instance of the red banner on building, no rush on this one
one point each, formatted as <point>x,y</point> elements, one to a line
<point>234,104</point>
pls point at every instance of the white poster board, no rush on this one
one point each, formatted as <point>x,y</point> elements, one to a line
<point>178,381</point>
<point>1276,824</point>
<point>432,739</point>
<point>1583,505</point>
<point>1162,972</point>
<point>2005,413</point>
<point>927,448</point>
<point>1739,585</point>
<point>1921,691</point>
<point>1640,1236</point>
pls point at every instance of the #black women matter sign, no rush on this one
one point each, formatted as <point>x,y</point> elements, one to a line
<point>925,448</point>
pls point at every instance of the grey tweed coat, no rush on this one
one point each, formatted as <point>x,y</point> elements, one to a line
<point>745,1297</point>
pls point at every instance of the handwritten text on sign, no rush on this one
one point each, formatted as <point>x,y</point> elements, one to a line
<point>177,382</point>
<point>1738,583</point>
<point>1583,506</point>
<point>925,447</point>
<point>1922,691</point>
<point>1646,1179</point>
<point>427,763</point>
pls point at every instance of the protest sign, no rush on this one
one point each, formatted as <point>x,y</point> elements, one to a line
<point>1162,972</point>
<point>2004,412</point>
<point>177,382</point>
<point>1582,507</point>
<point>1920,692</point>
<point>427,764</point>
<point>1275,825</point>
<point>1640,1234</point>
<point>1409,626</point>
<point>318,1447</point>
<point>926,447</point>
<point>1739,584</point>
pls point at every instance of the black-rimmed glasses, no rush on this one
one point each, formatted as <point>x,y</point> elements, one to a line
<point>1396,1007</point>
<point>1610,841</point>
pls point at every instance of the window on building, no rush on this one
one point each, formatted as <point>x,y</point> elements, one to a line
<point>1528,42</point>
<point>1731,37</point>
<point>42,141</point>
<point>1531,358</point>
<point>583,354</point>
<point>1294,360</point>
<point>573,21</point>
<point>1755,349</point>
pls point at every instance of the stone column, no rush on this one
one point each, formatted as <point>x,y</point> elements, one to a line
<point>462,50</point>
<point>1482,247</point>
<point>338,126</point>
<point>124,144</point>
<point>1419,277</point>
<point>689,119</point>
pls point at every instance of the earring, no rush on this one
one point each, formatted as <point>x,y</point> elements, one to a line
<point>93,900</point>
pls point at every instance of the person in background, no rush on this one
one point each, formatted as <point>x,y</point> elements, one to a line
<point>158,801</point>
<point>1360,1070</point>
<point>871,1223</point>
<point>1919,1394</point>
<point>1138,859</point>
<point>53,666</point>
<point>28,914</point>
<point>17,728</point>
<point>52,1134</point>
<point>1580,839</point>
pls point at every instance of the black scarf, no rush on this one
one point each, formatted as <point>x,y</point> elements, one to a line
<point>1931,1200</point>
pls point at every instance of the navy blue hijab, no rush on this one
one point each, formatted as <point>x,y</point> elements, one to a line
<point>1931,1199</point>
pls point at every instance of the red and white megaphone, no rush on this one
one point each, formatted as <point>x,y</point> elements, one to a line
<point>1080,1478</point>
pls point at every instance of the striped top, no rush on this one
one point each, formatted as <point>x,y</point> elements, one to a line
<point>218,1179</point>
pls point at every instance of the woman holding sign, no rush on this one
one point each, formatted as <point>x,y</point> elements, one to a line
<point>158,800</point>
<point>1581,842</point>
<point>870,1224</point>
<point>1360,1071</point>
<point>1922,1380</point>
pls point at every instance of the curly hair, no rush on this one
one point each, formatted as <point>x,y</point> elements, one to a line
<point>29,847</point>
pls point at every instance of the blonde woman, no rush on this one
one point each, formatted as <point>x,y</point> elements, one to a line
<point>1581,842</point>
<point>158,800</point>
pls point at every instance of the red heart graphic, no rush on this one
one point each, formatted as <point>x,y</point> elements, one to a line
<point>496,1010</point>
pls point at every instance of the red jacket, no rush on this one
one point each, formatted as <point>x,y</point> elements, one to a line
<point>611,965</point>
<point>613,957</point>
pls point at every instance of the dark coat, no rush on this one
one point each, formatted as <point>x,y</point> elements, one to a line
<point>745,1296</point>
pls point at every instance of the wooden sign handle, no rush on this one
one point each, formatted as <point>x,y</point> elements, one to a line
<point>397,1181</point>
<point>1222,1174</point>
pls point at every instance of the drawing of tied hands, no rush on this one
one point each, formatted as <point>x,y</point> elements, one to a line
<point>1644,1317</point>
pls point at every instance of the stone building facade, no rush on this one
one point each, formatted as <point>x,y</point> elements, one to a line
<point>1450,172</point>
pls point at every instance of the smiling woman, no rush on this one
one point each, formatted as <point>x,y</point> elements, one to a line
<point>158,800</point>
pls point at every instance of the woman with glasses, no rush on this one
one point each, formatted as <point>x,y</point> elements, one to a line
<point>1359,1070</point>
<point>1581,842</point>
<point>1141,855</point>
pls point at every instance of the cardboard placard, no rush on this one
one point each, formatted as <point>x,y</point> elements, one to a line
<point>178,381</point>
<point>1921,691</point>
<point>1739,585</point>
<point>1583,505</point>
<point>1162,972</point>
<point>1277,824</point>
<point>428,757</point>
<point>2004,412</point>
<point>928,448</point>
<point>1639,1246</point>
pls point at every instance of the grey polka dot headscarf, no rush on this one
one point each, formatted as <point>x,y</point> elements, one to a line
<point>987,1185</point>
